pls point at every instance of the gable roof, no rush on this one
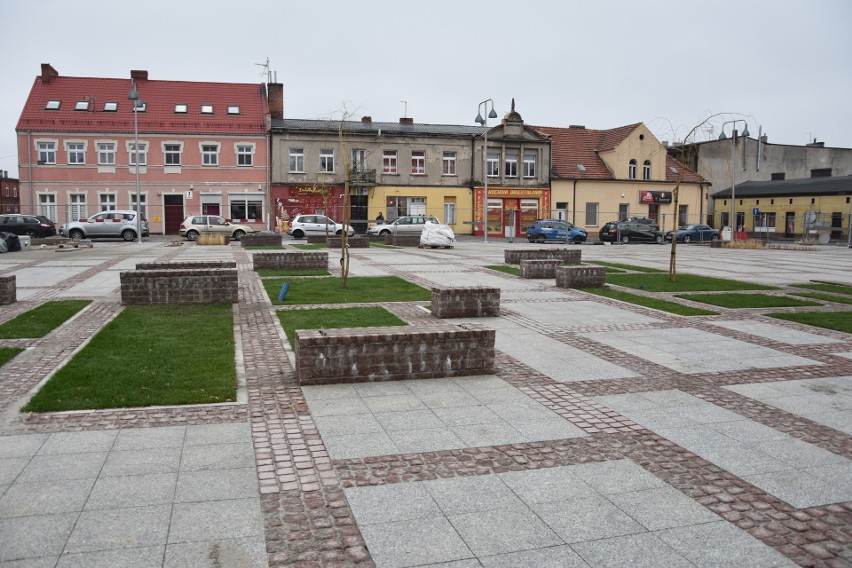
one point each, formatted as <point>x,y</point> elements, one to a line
<point>373,128</point>
<point>804,186</point>
<point>160,98</point>
<point>575,146</point>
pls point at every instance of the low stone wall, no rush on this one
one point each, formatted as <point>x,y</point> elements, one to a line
<point>545,268</point>
<point>580,276</point>
<point>290,260</point>
<point>393,353</point>
<point>8,290</point>
<point>468,302</point>
<point>567,256</point>
<point>186,265</point>
<point>402,240</point>
<point>261,239</point>
<point>179,286</point>
<point>315,239</point>
<point>353,242</point>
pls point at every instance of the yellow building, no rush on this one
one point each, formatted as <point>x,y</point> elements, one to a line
<point>608,175</point>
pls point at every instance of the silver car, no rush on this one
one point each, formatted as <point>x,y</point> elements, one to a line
<point>194,225</point>
<point>408,225</point>
<point>116,224</point>
<point>303,225</point>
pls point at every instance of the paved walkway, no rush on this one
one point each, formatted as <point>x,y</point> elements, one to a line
<point>609,435</point>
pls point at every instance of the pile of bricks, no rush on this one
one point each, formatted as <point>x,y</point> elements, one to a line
<point>393,353</point>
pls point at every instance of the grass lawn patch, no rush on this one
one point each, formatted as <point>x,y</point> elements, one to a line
<point>825,297</point>
<point>748,300</point>
<point>838,321</point>
<point>358,290</point>
<point>147,356</point>
<point>335,318</point>
<point>630,267</point>
<point>656,282</point>
<point>312,246</point>
<point>41,320</point>
<point>835,288</point>
<point>7,354</point>
<point>267,272</point>
<point>505,268</point>
<point>654,303</point>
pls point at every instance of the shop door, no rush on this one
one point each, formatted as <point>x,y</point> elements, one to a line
<point>789,225</point>
<point>210,209</point>
<point>358,213</point>
<point>654,212</point>
<point>173,207</point>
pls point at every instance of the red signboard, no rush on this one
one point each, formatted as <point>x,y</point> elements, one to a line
<point>655,197</point>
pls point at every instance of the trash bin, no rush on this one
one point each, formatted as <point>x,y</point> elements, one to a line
<point>727,234</point>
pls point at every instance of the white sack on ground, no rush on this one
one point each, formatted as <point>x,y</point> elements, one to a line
<point>435,234</point>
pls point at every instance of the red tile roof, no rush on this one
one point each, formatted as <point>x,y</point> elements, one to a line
<point>573,146</point>
<point>160,98</point>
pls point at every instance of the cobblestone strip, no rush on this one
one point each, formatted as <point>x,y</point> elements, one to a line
<point>306,517</point>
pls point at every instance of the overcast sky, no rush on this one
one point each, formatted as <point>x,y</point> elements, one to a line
<point>781,64</point>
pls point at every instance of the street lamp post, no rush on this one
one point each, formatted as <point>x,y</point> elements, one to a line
<point>137,104</point>
<point>483,121</point>
<point>733,219</point>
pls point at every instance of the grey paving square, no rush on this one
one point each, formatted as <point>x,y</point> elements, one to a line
<point>461,416</point>
<point>333,406</point>
<point>799,488</point>
<point>740,459</point>
<point>314,394</point>
<point>524,411</point>
<point>547,485</point>
<point>391,503</point>
<point>722,544</point>
<point>617,476</point>
<point>393,403</point>
<point>554,428</point>
<point>797,453</point>
<point>249,552</point>
<point>78,442</point>
<point>589,518</point>
<point>382,388</point>
<point>216,484</point>
<point>347,424</point>
<point>662,508</point>
<point>470,494</point>
<point>215,520</point>
<point>498,531</point>
<point>422,541</point>
<point>208,434</point>
<point>142,557</point>
<point>350,446</point>
<point>495,433</point>
<point>140,462</point>
<point>120,528</point>
<point>748,431</point>
<point>25,445</point>
<point>407,420</point>
<point>150,438</point>
<point>636,550</point>
<point>34,536</point>
<point>45,497</point>
<point>10,468</point>
<point>132,491</point>
<point>552,557</point>
<point>431,440</point>
<point>55,467</point>
<point>217,456</point>
<point>448,399</point>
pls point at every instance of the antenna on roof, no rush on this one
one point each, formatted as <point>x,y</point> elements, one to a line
<point>265,70</point>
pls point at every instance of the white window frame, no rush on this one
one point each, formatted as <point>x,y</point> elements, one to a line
<point>646,170</point>
<point>169,151</point>
<point>76,152</point>
<point>592,211</point>
<point>206,109</point>
<point>449,212</point>
<point>209,153</point>
<point>143,200</point>
<point>46,151</point>
<point>326,161</point>
<point>106,152</point>
<point>631,169</point>
<point>530,164</point>
<point>449,164</point>
<point>511,164</point>
<point>77,206</point>
<point>492,164</point>
<point>245,154</point>
<point>359,160</point>
<point>141,154</point>
<point>107,201</point>
<point>47,205</point>
<point>418,163</point>
<point>389,161</point>
<point>297,160</point>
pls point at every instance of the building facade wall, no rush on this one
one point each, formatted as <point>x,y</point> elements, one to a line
<point>786,215</point>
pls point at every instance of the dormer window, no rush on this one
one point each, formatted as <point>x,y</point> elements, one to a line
<point>180,108</point>
<point>233,109</point>
<point>206,109</point>
<point>82,105</point>
<point>52,105</point>
<point>110,107</point>
<point>140,106</point>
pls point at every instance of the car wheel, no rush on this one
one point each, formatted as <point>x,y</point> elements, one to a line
<point>128,235</point>
<point>75,234</point>
<point>385,233</point>
<point>191,235</point>
<point>714,238</point>
<point>298,234</point>
<point>578,240</point>
<point>238,234</point>
<point>659,239</point>
<point>30,233</point>
<point>339,233</point>
<point>625,239</point>
<point>687,239</point>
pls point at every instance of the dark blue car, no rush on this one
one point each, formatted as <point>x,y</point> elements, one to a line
<point>694,233</point>
<point>555,230</point>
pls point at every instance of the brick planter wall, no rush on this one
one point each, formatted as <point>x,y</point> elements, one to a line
<point>567,256</point>
<point>540,268</point>
<point>354,242</point>
<point>315,239</point>
<point>261,239</point>
<point>465,302</point>
<point>580,276</point>
<point>290,260</point>
<point>198,286</point>
<point>186,265</point>
<point>8,290</point>
<point>402,240</point>
<point>393,353</point>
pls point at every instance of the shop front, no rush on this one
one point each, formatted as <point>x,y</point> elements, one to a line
<point>510,210</point>
<point>292,200</point>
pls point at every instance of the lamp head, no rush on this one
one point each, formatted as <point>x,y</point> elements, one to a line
<point>479,119</point>
<point>133,95</point>
<point>492,114</point>
<point>745,130</point>
<point>722,135</point>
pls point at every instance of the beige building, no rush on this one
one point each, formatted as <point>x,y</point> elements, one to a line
<point>607,175</point>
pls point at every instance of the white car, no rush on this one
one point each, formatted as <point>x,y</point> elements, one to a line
<point>116,224</point>
<point>408,225</point>
<point>194,225</point>
<point>303,225</point>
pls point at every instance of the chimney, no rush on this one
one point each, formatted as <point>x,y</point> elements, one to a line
<point>366,119</point>
<point>406,120</point>
<point>48,72</point>
<point>577,126</point>
<point>138,75</point>
<point>275,93</point>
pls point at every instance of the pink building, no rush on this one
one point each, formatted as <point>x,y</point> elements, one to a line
<point>202,149</point>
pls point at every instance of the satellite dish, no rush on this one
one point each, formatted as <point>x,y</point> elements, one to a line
<point>810,217</point>
<point>824,238</point>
